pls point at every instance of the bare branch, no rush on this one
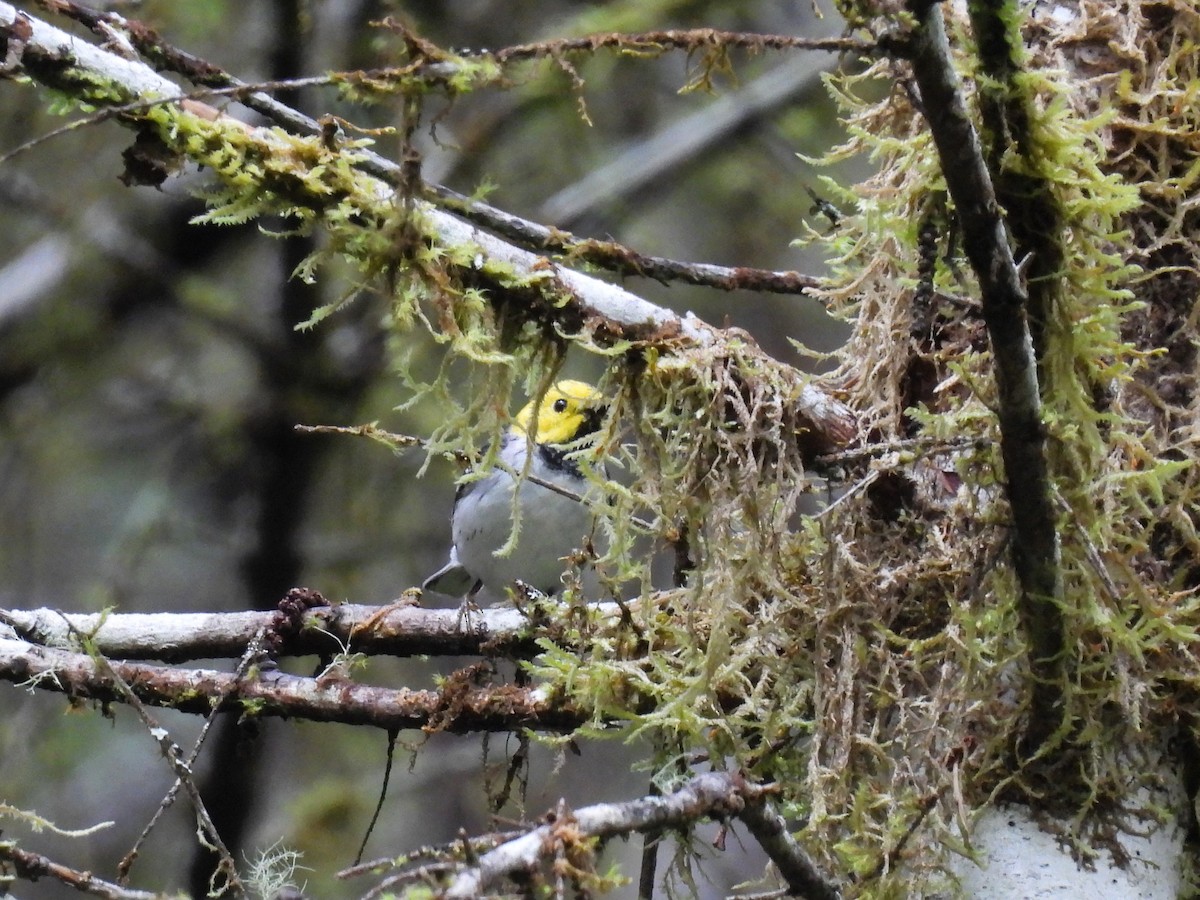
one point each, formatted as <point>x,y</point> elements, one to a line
<point>793,863</point>
<point>716,795</point>
<point>437,854</point>
<point>253,655</point>
<point>1036,546</point>
<point>458,707</point>
<point>397,630</point>
<point>34,867</point>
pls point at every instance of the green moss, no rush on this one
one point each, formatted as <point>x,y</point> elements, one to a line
<point>1116,473</point>
<point>252,708</point>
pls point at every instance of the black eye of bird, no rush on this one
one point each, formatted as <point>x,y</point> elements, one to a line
<point>560,405</point>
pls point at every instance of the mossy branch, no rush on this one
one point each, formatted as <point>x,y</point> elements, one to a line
<point>1036,546</point>
<point>268,170</point>
<point>609,255</point>
<point>1033,217</point>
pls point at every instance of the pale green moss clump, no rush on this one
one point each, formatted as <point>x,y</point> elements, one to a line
<point>922,694</point>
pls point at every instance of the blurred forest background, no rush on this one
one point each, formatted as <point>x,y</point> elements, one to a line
<point>151,376</point>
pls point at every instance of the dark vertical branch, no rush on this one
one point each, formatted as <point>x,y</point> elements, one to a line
<point>795,866</point>
<point>280,468</point>
<point>1032,214</point>
<point>1036,549</point>
<point>648,870</point>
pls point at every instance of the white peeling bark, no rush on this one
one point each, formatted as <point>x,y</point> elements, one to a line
<point>1018,860</point>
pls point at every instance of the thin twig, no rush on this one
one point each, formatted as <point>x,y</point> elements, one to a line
<point>467,459</point>
<point>1090,551</point>
<point>253,653</point>
<point>383,788</point>
<point>889,859</point>
<point>794,864</point>
<point>918,447</point>
<point>173,754</point>
<point>644,163</point>
<point>34,867</point>
<point>390,438</point>
<point>455,850</point>
<point>850,493</point>
<point>690,40</point>
<point>428,873</point>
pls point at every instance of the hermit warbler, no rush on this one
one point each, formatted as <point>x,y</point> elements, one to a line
<point>551,525</point>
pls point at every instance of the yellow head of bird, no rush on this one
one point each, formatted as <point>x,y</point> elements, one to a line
<point>568,411</point>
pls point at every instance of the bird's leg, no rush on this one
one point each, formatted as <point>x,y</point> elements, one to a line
<point>467,609</point>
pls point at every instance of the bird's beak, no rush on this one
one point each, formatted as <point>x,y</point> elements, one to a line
<point>593,418</point>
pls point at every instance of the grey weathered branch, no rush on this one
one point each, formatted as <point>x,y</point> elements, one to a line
<point>35,867</point>
<point>1036,547</point>
<point>457,708</point>
<point>400,630</point>
<point>793,863</point>
<point>719,795</point>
